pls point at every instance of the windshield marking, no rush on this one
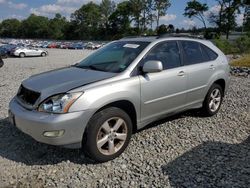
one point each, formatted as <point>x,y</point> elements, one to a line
<point>131,46</point>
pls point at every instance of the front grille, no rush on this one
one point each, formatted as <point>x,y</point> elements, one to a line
<point>27,96</point>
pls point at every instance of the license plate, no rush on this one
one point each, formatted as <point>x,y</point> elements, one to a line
<point>11,118</point>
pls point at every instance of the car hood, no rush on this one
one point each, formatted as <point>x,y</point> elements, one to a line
<point>63,80</point>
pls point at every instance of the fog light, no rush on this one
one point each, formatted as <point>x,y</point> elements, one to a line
<point>56,133</point>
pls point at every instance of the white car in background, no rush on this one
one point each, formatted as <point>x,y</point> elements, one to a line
<point>28,52</point>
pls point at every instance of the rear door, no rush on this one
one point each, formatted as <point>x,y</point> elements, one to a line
<point>165,91</point>
<point>199,69</point>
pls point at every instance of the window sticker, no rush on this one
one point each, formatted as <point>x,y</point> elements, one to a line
<point>131,46</point>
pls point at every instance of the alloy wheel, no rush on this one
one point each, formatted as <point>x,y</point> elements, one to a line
<point>215,100</point>
<point>112,136</point>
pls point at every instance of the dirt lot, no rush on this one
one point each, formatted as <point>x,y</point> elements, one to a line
<point>182,151</point>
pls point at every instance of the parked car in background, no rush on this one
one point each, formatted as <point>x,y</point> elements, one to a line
<point>76,46</point>
<point>28,52</point>
<point>90,46</point>
<point>52,45</point>
<point>58,44</point>
<point>65,45</point>
<point>3,53</point>
<point>9,48</point>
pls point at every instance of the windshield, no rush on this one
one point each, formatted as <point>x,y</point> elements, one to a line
<point>114,57</point>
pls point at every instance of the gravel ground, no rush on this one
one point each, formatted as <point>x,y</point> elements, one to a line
<point>182,151</point>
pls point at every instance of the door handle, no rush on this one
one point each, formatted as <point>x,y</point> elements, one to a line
<point>211,67</point>
<point>181,73</point>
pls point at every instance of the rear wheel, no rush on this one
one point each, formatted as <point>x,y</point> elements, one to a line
<point>108,134</point>
<point>213,100</point>
<point>21,55</point>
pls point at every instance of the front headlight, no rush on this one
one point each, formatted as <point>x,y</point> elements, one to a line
<point>59,103</point>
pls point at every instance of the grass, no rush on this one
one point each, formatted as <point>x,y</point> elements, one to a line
<point>244,61</point>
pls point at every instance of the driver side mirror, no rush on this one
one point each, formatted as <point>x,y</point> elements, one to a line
<point>152,66</point>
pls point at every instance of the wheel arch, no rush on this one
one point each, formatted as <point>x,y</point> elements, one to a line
<point>222,83</point>
<point>125,105</point>
<point>22,53</point>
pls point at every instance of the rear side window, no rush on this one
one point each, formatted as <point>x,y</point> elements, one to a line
<point>167,53</point>
<point>192,53</point>
<point>209,54</point>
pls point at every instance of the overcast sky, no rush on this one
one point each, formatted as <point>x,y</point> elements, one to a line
<point>20,9</point>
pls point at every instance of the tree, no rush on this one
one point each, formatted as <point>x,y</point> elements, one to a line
<point>10,28</point>
<point>218,19</point>
<point>107,7</point>
<point>162,29</point>
<point>57,26</point>
<point>225,20</point>
<point>161,6</point>
<point>246,23</point>
<point>232,7</point>
<point>35,27</point>
<point>196,9</point>
<point>87,21</point>
<point>137,7</point>
<point>120,19</point>
<point>151,14</point>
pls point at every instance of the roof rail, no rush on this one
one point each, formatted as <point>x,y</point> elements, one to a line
<point>139,36</point>
<point>180,35</point>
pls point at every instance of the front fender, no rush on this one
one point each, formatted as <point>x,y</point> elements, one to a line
<point>97,97</point>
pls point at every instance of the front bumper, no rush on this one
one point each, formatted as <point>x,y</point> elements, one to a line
<point>36,123</point>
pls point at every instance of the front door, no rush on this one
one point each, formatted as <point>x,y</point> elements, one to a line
<point>165,91</point>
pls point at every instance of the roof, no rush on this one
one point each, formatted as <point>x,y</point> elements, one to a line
<point>165,36</point>
<point>142,39</point>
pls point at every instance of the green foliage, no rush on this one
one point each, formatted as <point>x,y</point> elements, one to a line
<point>35,27</point>
<point>224,45</point>
<point>57,26</point>
<point>10,28</point>
<point>243,44</point>
<point>246,23</point>
<point>162,30</point>
<point>225,20</point>
<point>108,20</point>
<point>91,21</point>
<point>240,45</point>
<point>120,20</point>
<point>161,7</point>
<point>87,20</point>
<point>196,9</point>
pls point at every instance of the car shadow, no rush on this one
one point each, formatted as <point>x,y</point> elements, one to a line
<point>19,147</point>
<point>188,113</point>
<point>211,164</point>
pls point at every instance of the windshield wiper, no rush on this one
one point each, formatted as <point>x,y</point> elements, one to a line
<point>92,67</point>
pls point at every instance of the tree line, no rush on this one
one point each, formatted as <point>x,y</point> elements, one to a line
<point>108,20</point>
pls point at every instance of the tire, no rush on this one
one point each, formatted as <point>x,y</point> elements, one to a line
<point>22,55</point>
<point>102,129</point>
<point>212,102</point>
<point>43,54</point>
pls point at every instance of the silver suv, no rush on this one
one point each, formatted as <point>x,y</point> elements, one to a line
<point>97,103</point>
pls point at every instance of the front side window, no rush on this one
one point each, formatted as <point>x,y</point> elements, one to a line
<point>192,52</point>
<point>114,57</point>
<point>167,53</point>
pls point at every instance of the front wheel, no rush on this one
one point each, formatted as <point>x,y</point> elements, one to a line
<point>108,134</point>
<point>43,54</point>
<point>22,55</point>
<point>213,100</point>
